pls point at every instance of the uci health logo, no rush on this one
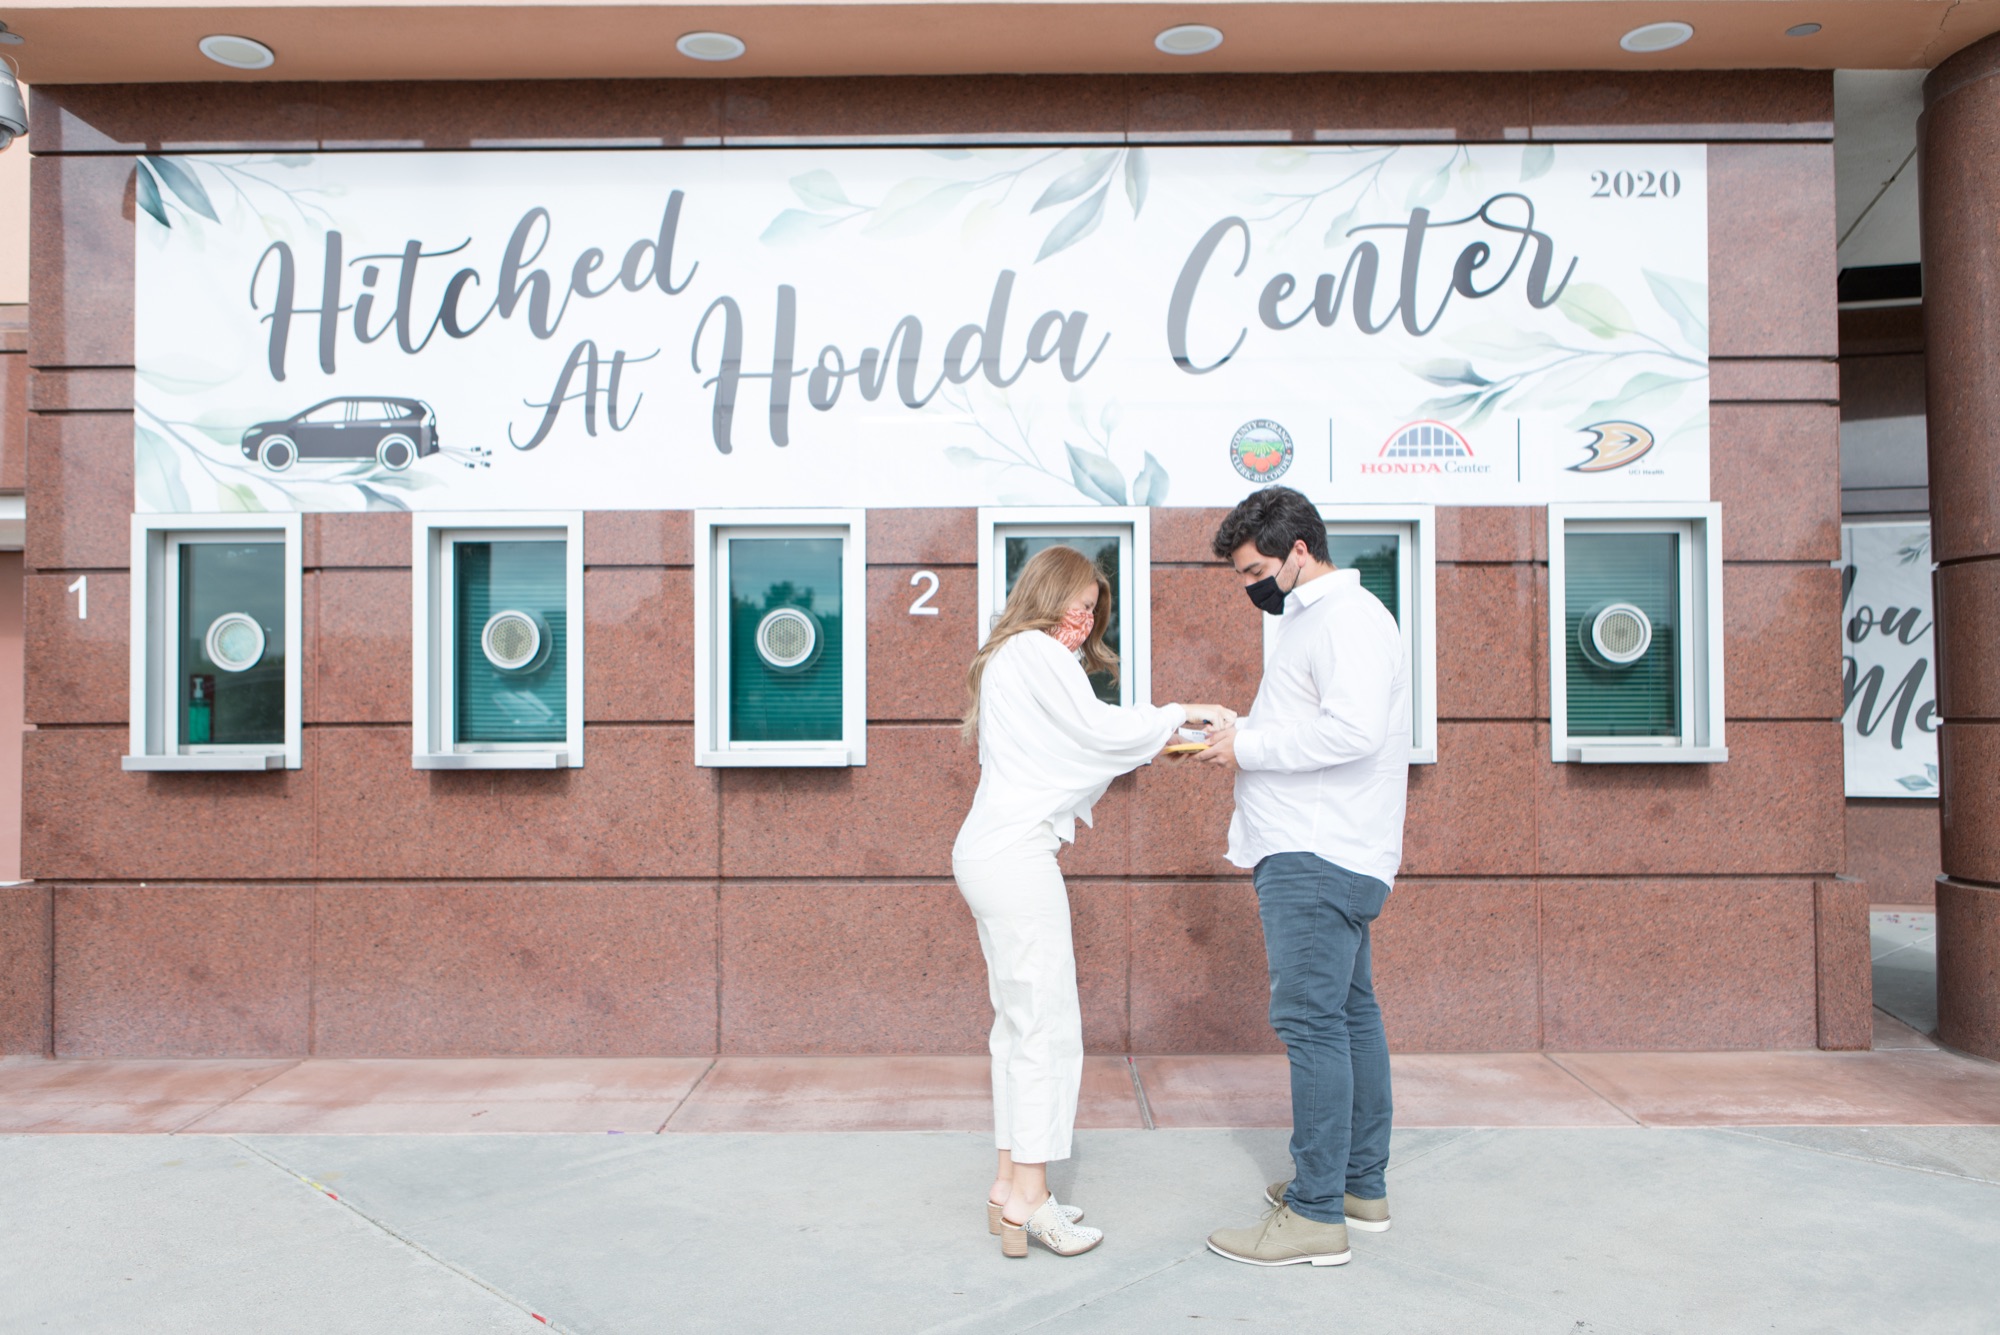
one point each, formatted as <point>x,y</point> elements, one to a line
<point>1261,450</point>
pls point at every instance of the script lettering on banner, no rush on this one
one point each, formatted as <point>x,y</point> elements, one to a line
<point>1889,661</point>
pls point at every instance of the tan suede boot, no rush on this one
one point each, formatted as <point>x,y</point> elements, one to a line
<point>1367,1216</point>
<point>1283,1238</point>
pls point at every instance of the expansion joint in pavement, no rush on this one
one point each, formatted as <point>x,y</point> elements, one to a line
<point>1758,1134</point>
<point>387,1230</point>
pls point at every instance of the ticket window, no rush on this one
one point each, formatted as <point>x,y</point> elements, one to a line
<point>499,663</point>
<point>1636,634</point>
<point>1393,550</point>
<point>1116,539</point>
<point>215,642</point>
<point>781,638</point>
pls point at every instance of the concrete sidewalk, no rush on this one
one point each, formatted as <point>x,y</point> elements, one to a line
<point>1550,1193</point>
<point>1552,1232</point>
<point>1911,1085</point>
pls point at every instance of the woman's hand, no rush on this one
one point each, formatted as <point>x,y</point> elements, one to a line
<point>1210,716</point>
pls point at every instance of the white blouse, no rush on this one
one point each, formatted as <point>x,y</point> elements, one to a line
<point>1048,747</point>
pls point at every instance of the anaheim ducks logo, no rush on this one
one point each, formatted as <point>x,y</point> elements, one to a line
<point>1613,445</point>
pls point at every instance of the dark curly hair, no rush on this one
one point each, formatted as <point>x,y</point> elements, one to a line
<point>1273,518</point>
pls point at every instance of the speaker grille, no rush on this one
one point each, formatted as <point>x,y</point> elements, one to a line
<point>235,642</point>
<point>787,638</point>
<point>1621,634</point>
<point>514,641</point>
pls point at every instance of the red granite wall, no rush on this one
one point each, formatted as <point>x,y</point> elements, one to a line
<point>642,905</point>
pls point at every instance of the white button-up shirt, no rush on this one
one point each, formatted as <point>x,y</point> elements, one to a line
<point>1324,753</point>
<point>1048,747</point>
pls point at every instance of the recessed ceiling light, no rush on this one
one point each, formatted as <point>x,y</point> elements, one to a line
<point>239,53</point>
<point>710,46</point>
<point>1189,39</point>
<point>1802,30</point>
<point>1656,37</point>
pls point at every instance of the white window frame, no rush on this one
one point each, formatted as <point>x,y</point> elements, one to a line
<point>1134,601</point>
<point>1416,525</point>
<point>432,646</point>
<point>1702,740</point>
<point>156,539</point>
<point>711,641</point>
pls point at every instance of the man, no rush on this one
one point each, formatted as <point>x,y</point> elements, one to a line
<point>1322,772</point>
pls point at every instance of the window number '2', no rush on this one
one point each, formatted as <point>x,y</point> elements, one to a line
<point>82,591</point>
<point>922,606</point>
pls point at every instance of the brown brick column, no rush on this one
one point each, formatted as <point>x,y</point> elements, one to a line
<point>1959,138</point>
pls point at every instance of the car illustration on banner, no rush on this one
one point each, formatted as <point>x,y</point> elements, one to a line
<point>395,433</point>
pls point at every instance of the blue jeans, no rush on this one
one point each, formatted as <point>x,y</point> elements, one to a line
<point>1316,917</point>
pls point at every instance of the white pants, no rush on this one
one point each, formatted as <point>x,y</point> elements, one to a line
<point>1022,908</point>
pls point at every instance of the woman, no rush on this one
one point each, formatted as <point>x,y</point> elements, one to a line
<point>1048,748</point>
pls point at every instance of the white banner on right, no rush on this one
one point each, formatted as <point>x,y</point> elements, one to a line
<point>1890,724</point>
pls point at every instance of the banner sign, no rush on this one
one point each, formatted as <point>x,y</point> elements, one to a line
<point>1886,632</point>
<point>1498,324</point>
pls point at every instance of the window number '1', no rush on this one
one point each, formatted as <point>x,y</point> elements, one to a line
<point>82,591</point>
<point>922,606</point>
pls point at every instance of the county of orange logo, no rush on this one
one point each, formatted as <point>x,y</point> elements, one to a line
<point>1261,450</point>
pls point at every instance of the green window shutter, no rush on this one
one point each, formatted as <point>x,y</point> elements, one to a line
<point>493,704</point>
<point>1641,699</point>
<point>784,702</point>
<point>1374,556</point>
<point>217,706</point>
<point>1101,548</point>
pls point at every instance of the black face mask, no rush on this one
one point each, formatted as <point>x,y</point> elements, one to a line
<point>1266,594</point>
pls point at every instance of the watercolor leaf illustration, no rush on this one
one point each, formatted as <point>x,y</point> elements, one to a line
<point>1426,191</point>
<point>915,205</point>
<point>1150,487</point>
<point>1503,342</point>
<point>1596,309</point>
<point>1644,393</point>
<point>1686,302</point>
<point>795,225</point>
<point>820,189</point>
<point>147,194</point>
<point>1077,224</point>
<point>181,181</point>
<point>1137,177</point>
<point>1450,371</point>
<point>1536,159</point>
<point>158,473</point>
<point>1079,180</point>
<point>1096,476</point>
<point>1082,178</point>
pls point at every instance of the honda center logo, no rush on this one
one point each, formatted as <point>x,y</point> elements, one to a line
<point>1425,447</point>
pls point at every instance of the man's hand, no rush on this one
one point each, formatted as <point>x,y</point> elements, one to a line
<point>1221,747</point>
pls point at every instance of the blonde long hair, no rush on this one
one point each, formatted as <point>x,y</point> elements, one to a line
<point>1054,578</point>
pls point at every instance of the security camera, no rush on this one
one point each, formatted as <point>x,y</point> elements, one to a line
<point>13,109</point>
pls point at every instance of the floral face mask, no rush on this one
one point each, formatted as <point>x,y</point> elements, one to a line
<point>1074,628</point>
